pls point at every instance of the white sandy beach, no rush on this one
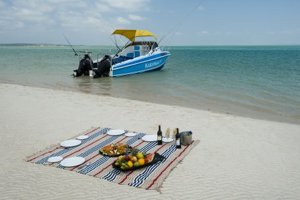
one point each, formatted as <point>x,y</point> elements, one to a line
<point>237,158</point>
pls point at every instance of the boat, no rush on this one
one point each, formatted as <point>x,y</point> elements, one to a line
<point>136,56</point>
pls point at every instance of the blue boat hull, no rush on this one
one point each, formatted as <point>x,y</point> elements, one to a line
<point>140,65</point>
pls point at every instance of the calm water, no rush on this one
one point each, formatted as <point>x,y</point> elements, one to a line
<point>255,81</point>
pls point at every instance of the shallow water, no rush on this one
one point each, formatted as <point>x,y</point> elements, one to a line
<point>254,81</point>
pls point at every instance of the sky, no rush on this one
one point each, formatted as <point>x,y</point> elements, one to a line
<point>175,22</point>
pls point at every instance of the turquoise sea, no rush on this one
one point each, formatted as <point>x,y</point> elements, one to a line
<point>254,81</point>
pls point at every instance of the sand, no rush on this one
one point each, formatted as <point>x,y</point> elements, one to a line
<point>237,158</point>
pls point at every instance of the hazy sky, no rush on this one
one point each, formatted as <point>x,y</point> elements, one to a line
<point>179,22</point>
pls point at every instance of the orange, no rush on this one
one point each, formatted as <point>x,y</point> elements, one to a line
<point>141,161</point>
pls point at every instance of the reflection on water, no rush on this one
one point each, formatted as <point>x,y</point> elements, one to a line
<point>100,86</point>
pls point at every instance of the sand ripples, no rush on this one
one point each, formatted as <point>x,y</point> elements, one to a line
<point>237,158</point>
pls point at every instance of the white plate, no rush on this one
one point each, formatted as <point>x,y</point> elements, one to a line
<point>70,143</point>
<point>130,134</point>
<point>149,138</point>
<point>115,132</point>
<point>72,161</point>
<point>82,137</point>
<point>54,159</point>
<point>166,140</point>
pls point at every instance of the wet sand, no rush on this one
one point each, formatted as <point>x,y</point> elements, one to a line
<point>237,158</point>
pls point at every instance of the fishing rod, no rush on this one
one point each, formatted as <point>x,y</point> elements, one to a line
<point>75,53</point>
<point>116,44</point>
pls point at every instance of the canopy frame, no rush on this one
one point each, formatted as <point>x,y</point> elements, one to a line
<point>132,34</point>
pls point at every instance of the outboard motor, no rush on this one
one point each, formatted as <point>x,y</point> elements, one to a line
<point>103,67</point>
<point>85,65</point>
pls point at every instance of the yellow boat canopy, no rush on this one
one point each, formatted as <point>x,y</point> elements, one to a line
<point>132,34</point>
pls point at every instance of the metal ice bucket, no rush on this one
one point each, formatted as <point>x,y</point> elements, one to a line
<point>186,137</point>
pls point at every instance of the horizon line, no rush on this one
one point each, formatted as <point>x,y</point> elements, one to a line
<point>178,45</point>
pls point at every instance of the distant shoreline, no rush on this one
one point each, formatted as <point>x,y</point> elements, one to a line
<point>186,45</point>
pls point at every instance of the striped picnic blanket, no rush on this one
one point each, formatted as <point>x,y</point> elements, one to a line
<point>149,177</point>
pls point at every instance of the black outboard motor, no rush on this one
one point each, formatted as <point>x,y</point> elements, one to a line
<point>103,67</point>
<point>85,65</point>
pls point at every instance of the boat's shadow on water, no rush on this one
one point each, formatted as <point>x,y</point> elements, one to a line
<point>100,86</point>
<point>133,86</point>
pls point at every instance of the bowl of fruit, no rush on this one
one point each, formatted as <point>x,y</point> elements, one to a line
<point>114,150</point>
<point>136,160</point>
